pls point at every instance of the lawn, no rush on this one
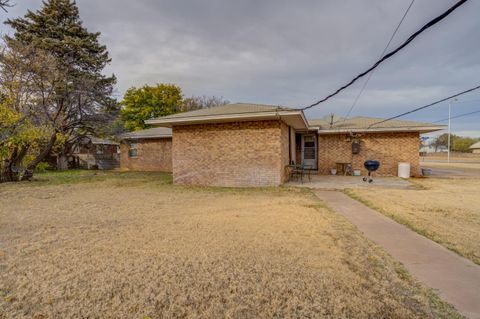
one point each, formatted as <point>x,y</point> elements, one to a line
<point>444,210</point>
<point>131,245</point>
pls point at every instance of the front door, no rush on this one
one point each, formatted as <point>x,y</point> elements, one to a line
<point>309,151</point>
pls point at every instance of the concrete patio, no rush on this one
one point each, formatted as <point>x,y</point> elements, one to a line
<point>334,182</point>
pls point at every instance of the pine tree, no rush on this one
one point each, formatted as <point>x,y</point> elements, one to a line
<point>57,29</point>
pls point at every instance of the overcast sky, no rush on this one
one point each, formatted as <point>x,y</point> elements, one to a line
<point>293,53</point>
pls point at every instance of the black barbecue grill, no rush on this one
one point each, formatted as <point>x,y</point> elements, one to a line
<point>371,167</point>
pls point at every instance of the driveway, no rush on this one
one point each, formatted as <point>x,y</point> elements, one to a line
<point>453,169</point>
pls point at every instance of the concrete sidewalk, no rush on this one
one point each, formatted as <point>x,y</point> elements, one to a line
<point>456,279</point>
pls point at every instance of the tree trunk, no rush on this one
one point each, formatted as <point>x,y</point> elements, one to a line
<point>44,153</point>
<point>62,162</point>
<point>7,175</point>
<point>10,170</point>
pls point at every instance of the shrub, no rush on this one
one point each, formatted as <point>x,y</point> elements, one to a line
<point>42,167</point>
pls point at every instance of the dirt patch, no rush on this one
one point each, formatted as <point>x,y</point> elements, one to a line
<point>444,210</point>
<point>120,248</point>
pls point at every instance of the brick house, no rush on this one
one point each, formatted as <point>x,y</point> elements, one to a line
<point>251,145</point>
<point>147,150</point>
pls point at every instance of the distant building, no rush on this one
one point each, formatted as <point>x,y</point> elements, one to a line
<point>475,148</point>
<point>96,153</point>
<point>89,153</point>
<point>432,149</point>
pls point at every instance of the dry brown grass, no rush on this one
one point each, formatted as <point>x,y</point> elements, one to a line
<point>133,247</point>
<point>445,210</point>
<point>459,157</point>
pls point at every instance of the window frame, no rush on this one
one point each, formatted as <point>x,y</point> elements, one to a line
<point>133,150</point>
<point>100,149</point>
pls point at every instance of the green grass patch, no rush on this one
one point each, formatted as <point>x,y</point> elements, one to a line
<point>150,179</point>
<point>119,178</point>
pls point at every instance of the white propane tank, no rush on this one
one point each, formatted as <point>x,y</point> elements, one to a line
<point>404,170</point>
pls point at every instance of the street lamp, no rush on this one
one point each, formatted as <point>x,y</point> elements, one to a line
<point>449,130</point>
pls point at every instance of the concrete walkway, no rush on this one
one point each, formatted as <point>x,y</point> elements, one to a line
<point>456,279</point>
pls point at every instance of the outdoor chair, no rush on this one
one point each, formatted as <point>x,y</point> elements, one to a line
<point>298,171</point>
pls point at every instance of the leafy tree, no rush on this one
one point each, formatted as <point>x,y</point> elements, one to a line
<point>457,143</point>
<point>462,144</point>
<point>202,102</point>
<point>20,130</point>
<point>72,90</point>
<point>140,104</point>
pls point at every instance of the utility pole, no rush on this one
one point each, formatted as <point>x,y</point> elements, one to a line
<point>449,115</point>
<point>449,129</point>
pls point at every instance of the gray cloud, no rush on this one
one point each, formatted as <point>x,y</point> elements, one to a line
<point>292,52</point>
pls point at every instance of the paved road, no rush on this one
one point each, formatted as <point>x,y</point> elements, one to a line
<point>445,171</point>
<point>456,279</point>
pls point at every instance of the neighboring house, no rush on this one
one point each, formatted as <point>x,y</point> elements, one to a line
<point>96,153</point>
<point>88,153</point>
<point>475,148</point>
<point>147,150</point>
<point>251,144</point>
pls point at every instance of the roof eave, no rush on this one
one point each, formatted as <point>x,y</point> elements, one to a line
<point>145,137</point>
<point>286,116</point>
<point>420,129</point>
<point>105,143</point>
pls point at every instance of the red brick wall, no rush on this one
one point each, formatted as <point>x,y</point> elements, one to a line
<point>152,155</point>
<point>388,148</point>
<point>230,154</point>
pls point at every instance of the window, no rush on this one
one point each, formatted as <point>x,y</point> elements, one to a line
<point>132,151</point>
<point>100,149</point>
<point>309,141</point>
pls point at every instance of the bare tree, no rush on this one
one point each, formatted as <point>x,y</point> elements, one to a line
<point>4,4</point>
<point>202,102</point>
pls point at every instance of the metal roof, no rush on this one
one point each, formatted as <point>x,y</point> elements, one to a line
<point>156,132</point>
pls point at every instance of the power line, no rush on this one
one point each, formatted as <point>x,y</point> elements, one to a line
<point>392,53</point>
<point>425,106</point>
<point>458,116</point>
<point>373,71</point>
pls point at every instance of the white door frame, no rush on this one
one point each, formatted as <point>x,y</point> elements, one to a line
<point>311,162</point>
